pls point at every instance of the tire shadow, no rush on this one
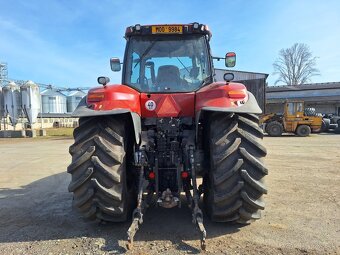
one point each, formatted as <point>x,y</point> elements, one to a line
<point>43,211</point>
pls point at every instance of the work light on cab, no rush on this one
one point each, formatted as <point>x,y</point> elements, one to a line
<point>103,80</point>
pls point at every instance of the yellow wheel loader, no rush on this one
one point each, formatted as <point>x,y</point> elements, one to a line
<point>293,120</point>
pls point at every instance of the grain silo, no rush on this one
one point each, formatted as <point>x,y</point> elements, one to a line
<point>30,101</point>
<point>73,99</point>
<point>1,104</point>
<point>53,101</point>
<point>12,102</point>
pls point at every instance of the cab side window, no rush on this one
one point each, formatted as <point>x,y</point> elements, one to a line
<point>135,69</point>
<point>291,108</point>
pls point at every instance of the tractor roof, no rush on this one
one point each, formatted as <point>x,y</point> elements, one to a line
<point>168,29</point>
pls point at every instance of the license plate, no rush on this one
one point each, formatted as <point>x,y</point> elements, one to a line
<point>167,29</point>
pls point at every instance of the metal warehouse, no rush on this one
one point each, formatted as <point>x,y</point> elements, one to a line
<point>324,97</point>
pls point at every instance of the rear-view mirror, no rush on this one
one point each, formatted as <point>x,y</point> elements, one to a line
<point>115,64</point>
<point>230,59</point>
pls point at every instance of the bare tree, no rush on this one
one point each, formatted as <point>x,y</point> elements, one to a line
<point>295,65</point>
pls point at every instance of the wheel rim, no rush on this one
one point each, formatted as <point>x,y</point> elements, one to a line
<point>275,129</point>
<point>303,131</point>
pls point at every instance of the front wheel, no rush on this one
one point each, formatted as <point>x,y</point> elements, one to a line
<point>235,186</point>
<point>274,128</point>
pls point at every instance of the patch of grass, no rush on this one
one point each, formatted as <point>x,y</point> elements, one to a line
<point>59,132</point>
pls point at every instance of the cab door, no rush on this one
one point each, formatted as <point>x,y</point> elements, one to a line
<point>293,115</point>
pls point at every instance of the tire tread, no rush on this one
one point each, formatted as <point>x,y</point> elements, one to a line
<point>98,168</point>
<point>236,179</point>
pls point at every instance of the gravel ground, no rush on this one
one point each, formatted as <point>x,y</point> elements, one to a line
<point>302,213</point>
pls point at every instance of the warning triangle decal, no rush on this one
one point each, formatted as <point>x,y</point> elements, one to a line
<point>168,108</point>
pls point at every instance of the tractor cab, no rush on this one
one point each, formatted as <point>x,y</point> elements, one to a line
<point>294,109</point>
<point>167,58</point>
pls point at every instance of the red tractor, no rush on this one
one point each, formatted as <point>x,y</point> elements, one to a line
<point>166,125</point>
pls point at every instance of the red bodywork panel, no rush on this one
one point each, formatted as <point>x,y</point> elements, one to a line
<point>169,105</point>
<point>218,94</point>
<point>116,97</point>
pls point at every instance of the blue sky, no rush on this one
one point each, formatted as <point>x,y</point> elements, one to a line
<point>69,43</point>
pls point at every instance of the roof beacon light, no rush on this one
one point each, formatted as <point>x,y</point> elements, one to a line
<point>195,25</point>
<point>137,27</point>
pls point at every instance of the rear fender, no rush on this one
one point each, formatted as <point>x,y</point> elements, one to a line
<point>250,106</point>
<point>84,111</point>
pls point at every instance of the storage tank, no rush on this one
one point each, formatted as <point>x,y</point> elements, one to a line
<point>12,102</point>
<point>53,101</point>
<point>30,101</point>
<point>73,99</point>
<point>1,104</point>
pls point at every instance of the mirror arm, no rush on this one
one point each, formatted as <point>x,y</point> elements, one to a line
<point>217,58</point>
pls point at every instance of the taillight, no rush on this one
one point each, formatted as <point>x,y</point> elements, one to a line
<point>240,94</point>
<point>152,175</point>
<point>184,175</point>
<point>95,97</point>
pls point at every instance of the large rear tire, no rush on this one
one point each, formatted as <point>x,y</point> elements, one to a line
<point>235,184</point>
<point>303,130</point>
<point>325,125</point>
<point>100,184</point>
<point>337,130</point>
<point>310,112</point>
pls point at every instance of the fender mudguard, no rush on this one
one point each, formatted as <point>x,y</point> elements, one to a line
<point>83,111</point>
<point>251,106</point>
